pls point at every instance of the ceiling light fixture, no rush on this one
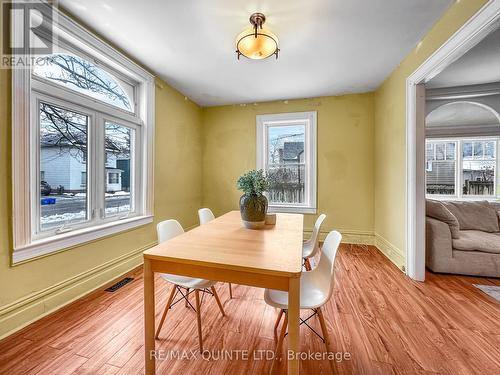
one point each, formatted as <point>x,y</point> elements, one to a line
<point>256,42</point>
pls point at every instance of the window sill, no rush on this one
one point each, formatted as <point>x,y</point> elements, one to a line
<point>292,209</point>
<point>68,240</point>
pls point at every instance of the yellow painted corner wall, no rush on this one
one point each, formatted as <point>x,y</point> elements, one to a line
<point>345,158</point>
<point>30,290</point>
<point>390,133</point>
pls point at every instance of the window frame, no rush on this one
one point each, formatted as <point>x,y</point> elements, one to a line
<point>309,120</point>
<point>459,168</point>
<point>26,88</point>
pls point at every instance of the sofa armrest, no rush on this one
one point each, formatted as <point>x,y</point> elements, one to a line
<point>438,244</point>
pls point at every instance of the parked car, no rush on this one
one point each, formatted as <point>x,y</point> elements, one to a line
<point>45,188</point>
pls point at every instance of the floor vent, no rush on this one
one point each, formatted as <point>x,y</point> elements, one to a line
<point>119,284</point>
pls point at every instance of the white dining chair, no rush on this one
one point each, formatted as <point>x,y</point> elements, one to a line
<point>206,215</point>
<point>311,247</point>
<point>316,288</point>
<point>184,285</point>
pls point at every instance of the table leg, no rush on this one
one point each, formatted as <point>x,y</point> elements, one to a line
<point>293,325</point>
<point>149,318</point>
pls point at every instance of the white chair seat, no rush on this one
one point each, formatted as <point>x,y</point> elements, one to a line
<point>187,282</point>
<point>311,296</point>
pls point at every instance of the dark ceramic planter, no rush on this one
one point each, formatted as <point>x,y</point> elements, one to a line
<point>253,210</point>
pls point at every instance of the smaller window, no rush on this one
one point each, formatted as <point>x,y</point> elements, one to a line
<point>84,179</point>
<point>113,178</point>
<point>286,150</point>
<point>440,168</point>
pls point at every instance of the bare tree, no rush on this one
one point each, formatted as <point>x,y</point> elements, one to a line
<point>85,75</point>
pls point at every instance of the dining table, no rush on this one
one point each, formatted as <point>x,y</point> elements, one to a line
<point>224,250</point>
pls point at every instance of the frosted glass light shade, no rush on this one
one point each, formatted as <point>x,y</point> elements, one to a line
<point>257,48</point>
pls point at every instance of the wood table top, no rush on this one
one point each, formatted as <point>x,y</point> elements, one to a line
<point>225,243</point>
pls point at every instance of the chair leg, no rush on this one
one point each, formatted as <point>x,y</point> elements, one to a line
<point>169,301</point>
<point>230,291</point>
<point>198,318</point>
<point>323,325</point>
<point>307,264</point>
<point>278,320</point>
<point>218,301</point>
<point>325,335</point>
<point>186,304</point>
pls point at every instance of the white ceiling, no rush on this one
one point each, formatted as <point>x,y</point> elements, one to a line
<point>328,47</point>
<point>479,65</point>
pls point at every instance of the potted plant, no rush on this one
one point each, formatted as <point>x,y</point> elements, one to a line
<point>253,204</point>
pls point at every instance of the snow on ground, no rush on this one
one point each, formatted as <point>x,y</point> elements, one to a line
<point>72,217</point>
<point>63,218</point>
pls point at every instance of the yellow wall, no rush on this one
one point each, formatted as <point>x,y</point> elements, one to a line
<point>345,158</point>
<point>390,133</point>
<point>30,290</point>
<point>199,155</point>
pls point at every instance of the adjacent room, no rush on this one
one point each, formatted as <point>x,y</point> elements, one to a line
<point>261,187</point>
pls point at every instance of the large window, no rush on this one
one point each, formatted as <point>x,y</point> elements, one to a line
<point>462,168</point>
<point>286,150</point>
<point>89,112</point>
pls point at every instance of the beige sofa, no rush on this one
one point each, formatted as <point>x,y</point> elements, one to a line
<point>463,237</point>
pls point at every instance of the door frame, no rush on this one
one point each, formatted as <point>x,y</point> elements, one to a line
<point>470,34</point>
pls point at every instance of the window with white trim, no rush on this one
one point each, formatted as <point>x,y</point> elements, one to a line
<point>83,123</point>
<point>462,168</point>
<point>286,151</point>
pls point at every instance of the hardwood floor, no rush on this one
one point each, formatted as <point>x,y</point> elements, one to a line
<point>387,323</point>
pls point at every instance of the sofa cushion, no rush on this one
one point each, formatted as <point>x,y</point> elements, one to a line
<point>474,240</point>
<point>438,211</point>
<point>474,215</point>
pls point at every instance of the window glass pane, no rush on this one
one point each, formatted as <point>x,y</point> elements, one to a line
<point>119,169</point>
<point>440,147</point>
<point>286,169</point>
<point>478,177</point>
<point>450,151</point>
<point>83,76</point>
<point>63,149</point>
<point>467,150</point>
<point>440,177</point>
<point>489,150</point>
<point>429,151</point>
<point>287,184</point>
<point>478,150</point>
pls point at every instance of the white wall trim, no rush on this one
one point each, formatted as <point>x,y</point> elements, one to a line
<point>350,236</point>
<point>471,33</point>
<point>71,239</point>
<point>26,310</point>
<point>392,252</point>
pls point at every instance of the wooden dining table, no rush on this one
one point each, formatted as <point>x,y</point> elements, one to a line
<point>224,250</point>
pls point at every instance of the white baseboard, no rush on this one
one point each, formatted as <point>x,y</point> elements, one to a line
<point>394,254</point>
<point>26,310</point>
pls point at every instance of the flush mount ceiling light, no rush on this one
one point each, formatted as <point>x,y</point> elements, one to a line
<point>256,42</point>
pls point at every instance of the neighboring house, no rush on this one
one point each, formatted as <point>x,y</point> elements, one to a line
<point>440,178</point>
<point>65,166</point>
<point>291,153</point>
